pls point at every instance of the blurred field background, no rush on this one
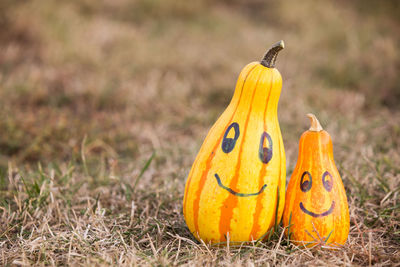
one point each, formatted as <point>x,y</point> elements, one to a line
<point>104,105</point>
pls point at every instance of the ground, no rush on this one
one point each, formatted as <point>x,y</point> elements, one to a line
<point>104,105</point>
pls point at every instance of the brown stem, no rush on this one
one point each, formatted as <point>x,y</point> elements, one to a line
<point>270,57</point>
<point>315,125</point>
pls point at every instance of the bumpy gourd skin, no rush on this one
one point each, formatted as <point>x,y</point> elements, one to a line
<point>232,188</point>
<point>319,208</point>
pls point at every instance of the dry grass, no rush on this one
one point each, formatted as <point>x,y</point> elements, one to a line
<point>104,105</point>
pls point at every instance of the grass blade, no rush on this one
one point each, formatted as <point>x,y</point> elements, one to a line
<point>145,167</point>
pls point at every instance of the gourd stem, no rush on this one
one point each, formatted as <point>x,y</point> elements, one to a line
<point>315,125</point>
<point>270,57</point>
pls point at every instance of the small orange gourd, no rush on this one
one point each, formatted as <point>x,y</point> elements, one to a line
<point>316,209</point>
<point>235,189</point>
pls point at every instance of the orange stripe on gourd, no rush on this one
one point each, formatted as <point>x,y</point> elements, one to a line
<point>256,227</point>
<point>232,200</point>
<point>242,220</point>
<point>272,167</point>
<point>282,171</point>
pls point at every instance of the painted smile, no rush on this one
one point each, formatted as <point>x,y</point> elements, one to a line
<point>237,193</point>
<point>325,213</point>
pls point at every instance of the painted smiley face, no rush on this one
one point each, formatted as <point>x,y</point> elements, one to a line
<point>305,186</point>
<point>264,154</point>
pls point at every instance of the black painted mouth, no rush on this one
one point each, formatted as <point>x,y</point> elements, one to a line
<point>316,214</point>
<point>237,193</point>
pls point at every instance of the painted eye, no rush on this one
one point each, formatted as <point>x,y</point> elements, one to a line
<point>228,143</point>
<point>265,150</point>
<point>306,181</point>
<point>327,181</point>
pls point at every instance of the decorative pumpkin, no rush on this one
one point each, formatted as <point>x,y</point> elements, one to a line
<point>316,209</point>
<point>238,177</point>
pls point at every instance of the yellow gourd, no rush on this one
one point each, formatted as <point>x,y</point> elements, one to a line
<point>235,189</point>
<point>316,209</point>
